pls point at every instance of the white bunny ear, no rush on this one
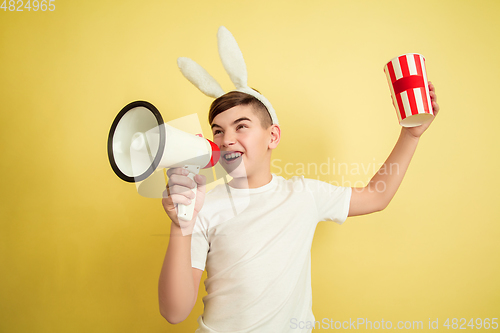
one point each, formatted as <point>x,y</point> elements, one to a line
<point>198,76</point>
<point>232,58</point>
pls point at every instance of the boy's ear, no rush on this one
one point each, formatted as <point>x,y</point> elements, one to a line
<point>275,136</point>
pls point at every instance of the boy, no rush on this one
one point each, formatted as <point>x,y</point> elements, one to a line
<point>258,262</point>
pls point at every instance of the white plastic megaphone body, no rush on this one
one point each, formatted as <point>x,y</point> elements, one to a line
<point>139,143</point>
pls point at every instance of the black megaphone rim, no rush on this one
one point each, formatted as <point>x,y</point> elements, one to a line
<point>161,146</point>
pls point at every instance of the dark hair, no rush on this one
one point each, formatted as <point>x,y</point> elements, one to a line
<point>235,98</point>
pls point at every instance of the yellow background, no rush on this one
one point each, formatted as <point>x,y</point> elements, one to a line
<point>81,251</point>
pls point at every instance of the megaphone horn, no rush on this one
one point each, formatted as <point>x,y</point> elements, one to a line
<point>139,143</point>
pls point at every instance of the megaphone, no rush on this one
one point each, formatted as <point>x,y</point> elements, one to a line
<point>139,143</point>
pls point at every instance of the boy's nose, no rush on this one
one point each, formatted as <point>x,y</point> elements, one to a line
<point>228,140</point>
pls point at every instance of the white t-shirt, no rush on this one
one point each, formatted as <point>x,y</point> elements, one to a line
<point>256,247</point>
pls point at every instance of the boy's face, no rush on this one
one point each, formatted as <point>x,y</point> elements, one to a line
<point>239,134</point>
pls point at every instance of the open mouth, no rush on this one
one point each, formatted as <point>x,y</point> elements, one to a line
<point>228,157</point>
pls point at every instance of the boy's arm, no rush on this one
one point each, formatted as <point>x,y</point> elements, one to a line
<point>179,282</point>
<point>382,187</point>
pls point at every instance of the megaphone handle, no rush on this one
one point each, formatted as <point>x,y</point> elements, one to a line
<point>185,212</point>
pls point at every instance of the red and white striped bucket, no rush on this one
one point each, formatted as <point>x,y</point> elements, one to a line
<point>407,79</point>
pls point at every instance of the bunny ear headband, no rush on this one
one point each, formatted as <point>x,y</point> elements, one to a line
<point>232,60</point>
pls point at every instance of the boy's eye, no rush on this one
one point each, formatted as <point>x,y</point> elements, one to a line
<point>240,126</point>
<point>217,132</point>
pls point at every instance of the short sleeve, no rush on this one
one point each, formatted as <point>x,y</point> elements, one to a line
<point>199,244</point>
<point>332,202</point>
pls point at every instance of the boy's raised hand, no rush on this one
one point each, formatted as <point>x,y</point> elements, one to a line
<point>179,192</point>
<point>417,131</point>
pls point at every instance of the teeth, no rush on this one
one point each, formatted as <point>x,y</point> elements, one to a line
<point>232,156</point>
